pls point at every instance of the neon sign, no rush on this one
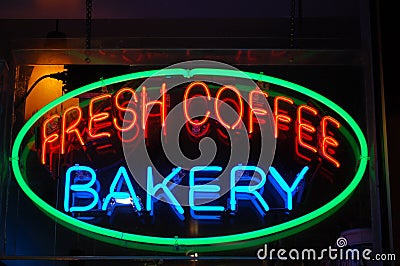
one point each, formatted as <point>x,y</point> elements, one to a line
<point>308,137</point>
<point>237,191</point>
<point>317,134</point>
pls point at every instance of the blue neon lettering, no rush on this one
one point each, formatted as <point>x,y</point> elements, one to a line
<point>82,189</point>
<point>115,189</point>
<point>151,189</point>
<point>283,188</point>
<point>208,192</point>
<point>251,191</point>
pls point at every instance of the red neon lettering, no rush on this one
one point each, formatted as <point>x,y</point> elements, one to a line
<point>216,106</point>
<point>328,140</point>
<point>93,118</point>
<point>280,116</point>
<point>134,132</point>
<point>72,128</point>
<point>146,104</point>
<point>222,136</point>
<point>303,126</point>
<point>186,104</point>
<point>296,149</point>
<point>122,109</point>
<point>255,110</point>
<point>48,139</point>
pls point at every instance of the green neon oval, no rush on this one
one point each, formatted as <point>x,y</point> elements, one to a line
<point>206,243</point>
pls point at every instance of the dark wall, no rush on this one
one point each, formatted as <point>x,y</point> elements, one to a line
<point>309,33</point>
<point>387,23</point>
<point>105,9</point>
<point>6,97</point>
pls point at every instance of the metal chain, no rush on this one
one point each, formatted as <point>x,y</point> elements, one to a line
<point>88,23</point>
<point>292,23</point>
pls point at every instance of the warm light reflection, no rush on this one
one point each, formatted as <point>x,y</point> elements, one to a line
<point>59,8</point>
<point>45,91</point>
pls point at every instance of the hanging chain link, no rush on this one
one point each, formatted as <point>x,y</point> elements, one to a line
<point>292,23</point>
<point>88,23</point>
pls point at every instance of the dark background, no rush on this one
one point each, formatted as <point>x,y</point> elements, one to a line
<point>389,29</point>
<point>324,20</point>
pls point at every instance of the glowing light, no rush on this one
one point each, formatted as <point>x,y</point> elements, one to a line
<point>216,106</point>
<point>328,140</point>
<point>255,110</point>
<point>97,117</point>
<point>280,116</point>
<point>115,189</point>
<point>45,91</point>
<point>186,104</point>
<point>248,189</point>
<point>283,188</point>
<point>48,139</point>
<point>201,243</point>
<point>298,153</point>
<point>72,128</point>
<point>135,135</point>
<point>146,105</point>
<point>209,192</point>
<point>122,109</point>
<point>85,188</point>
<point>123,200</point>
<point>304,126</point>
<point>151,189</point>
